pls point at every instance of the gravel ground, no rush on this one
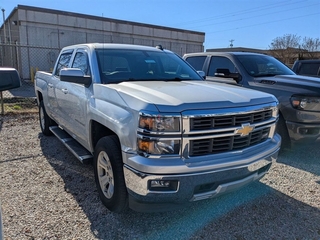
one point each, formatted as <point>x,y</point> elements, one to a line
<point>46,193</point>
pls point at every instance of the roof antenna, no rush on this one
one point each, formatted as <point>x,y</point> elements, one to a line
<point>159,47</point>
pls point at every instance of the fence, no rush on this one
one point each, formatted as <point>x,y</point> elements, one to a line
<point>27,60</point>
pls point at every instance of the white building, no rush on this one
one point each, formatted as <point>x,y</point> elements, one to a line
<point>32,37</point>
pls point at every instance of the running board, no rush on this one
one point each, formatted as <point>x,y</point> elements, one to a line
<point>82,154</point>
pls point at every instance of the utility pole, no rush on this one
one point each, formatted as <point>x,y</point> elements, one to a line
<point>4,26</point>
<point>231,42</point>
<point>5,40</point>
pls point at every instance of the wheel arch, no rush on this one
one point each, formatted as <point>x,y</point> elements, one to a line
<point>99,131</point>
<point>39,97</point>
<point>283,131</point>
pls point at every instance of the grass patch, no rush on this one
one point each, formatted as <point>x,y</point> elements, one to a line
<point>20,105</point>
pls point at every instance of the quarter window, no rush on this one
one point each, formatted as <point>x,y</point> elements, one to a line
<point>196,62</point>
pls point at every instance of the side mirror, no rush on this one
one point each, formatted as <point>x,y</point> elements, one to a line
<point>225,73</point>
<point>75,75</point>
<point>202,74</point>
<point>9,79</point>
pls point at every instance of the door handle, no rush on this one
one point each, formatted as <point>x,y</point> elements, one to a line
<point>65,91</point>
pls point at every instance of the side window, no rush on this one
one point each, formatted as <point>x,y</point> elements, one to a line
<point>63,62</point>
<point>309,68</point>
<point>220,62</point>
<point>81,61</point>
<point>196,62</point>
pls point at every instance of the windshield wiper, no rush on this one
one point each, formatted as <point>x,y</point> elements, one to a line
<point>176,79</point>
<point>265,75</point>
<point>131,80</point>
<point>119,80</point>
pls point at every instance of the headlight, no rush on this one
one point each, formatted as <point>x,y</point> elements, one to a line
<point>157,146</point>
<point>308,103</point>
<point>159,123</point>
<point>159,134</point>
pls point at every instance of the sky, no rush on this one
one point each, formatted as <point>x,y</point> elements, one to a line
<point>244,23</point>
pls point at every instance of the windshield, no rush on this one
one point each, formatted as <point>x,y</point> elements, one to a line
<point>263,65</point>
<point>118,65</point>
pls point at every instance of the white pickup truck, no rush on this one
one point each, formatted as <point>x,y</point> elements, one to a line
<point>158,134</point>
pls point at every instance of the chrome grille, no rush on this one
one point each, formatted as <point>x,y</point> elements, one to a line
<point>206,123</point>
<point>229,143</point>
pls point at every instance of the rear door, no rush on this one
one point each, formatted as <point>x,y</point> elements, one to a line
<point>73,99</point>
<point>54,81</point>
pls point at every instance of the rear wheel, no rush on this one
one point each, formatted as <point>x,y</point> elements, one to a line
<point>45,120</point>
<point>109,177</point>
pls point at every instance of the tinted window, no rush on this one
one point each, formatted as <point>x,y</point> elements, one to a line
<point>196,62</point>
<point>118,65</point>
<point>63,62</point>
<point>220,62</point>
<point>309,68</point>
<point>263,65</point>
<point>81,61</point>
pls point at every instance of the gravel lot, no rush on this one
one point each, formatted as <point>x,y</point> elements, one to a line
<point>46,193</point>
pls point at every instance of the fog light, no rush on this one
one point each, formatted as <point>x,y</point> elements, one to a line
<point>309,131</point>
<point>163,185</point>
<point>156,183</point>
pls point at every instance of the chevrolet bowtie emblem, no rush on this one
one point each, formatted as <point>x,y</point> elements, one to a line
<point>244,130</point>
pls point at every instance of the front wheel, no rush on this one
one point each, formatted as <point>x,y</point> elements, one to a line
<point>109,177</point>
<point>45,120</point>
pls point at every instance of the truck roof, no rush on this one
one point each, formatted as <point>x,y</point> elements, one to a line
<point>222,53</point>
<point>116,46</point>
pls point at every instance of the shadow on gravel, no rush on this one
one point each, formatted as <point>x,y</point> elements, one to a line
<point>305,157</point>
<point>255,212</point>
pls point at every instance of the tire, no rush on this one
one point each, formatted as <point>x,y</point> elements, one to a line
<point>283,131</point>
<point>109,177</point>
<point>45,120</point>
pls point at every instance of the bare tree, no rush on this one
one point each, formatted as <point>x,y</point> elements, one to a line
<point>311,47</point>
<point>286,48</point>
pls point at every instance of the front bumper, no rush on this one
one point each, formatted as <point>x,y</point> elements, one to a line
<point>198,185</point>
<point>303,132</point>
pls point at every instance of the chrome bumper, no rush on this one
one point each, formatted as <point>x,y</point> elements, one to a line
<point>193,186</point>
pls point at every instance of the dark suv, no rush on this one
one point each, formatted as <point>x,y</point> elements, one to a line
<point>307,67</point>
<point>298,96</point>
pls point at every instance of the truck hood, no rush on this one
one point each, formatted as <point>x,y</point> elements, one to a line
<point>294,81</point>
<point>178,96</point>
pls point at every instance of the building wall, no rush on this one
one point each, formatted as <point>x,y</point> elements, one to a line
<point>52,29</point>
<point>65,28</point>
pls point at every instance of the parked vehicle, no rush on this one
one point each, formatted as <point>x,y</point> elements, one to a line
<point>9,78</point>
<point>307,67</point>
<point>299,96</point>
<point>158,134</point>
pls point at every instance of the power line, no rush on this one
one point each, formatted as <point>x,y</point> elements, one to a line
<point>227,15</point>
<point>284,19</point>
<point>237,20</point>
